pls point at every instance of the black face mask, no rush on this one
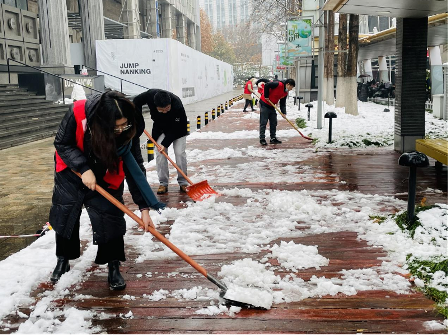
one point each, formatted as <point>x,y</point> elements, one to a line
<point>121,139</point>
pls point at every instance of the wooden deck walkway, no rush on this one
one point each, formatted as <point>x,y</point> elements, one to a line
<point>375,311</point>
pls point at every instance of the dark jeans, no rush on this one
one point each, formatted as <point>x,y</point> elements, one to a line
<point>70,248</point>
<point>249,102</point>
<point>267,114</point>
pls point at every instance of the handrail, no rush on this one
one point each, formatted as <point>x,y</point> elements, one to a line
<point>121,79</point>
<point>48,73</point>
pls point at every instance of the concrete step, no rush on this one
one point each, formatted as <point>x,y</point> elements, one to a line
<point>11,88</point>
<point>30,102</point>
<point>15,92</point>
<point>20,139</point>
<point>36,107</point>
<point>25,113</point>
<point>14,97</point>
<point>31,128</point>
<point>18,124</point>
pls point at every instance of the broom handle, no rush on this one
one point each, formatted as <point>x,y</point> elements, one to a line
<point>284,117</point>
<point>169,159</point>
<point>153,231</point>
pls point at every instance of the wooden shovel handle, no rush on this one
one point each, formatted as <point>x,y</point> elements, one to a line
<point>153,231</point>
<point>169,159</point>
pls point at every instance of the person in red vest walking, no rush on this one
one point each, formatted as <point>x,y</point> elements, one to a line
<point>273,93</point>
<point>98,138</point>
<point>248,90</point>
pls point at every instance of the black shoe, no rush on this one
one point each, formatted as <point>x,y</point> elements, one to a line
<point>116,281</point>
<point>244,111</point>
<point>263,142</point>
<point>62,266</point>
<point>253,110</point>
<point>275,141</point>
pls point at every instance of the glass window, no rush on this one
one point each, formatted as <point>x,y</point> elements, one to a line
<point>10,2</point>
<point>22,4</point>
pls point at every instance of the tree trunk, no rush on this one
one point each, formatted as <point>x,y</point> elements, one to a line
<point>330,59</point>
<point>342,61</point>
<point>324,82</point>
<point>351,98</point>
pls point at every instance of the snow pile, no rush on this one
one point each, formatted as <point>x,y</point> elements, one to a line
<point>296,256</point>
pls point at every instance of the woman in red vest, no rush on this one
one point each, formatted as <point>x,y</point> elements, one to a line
<point>248,89</point>
<point>272,94</point>
<point>98,138</point>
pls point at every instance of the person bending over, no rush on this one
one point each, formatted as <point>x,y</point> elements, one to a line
<point>98,138</point>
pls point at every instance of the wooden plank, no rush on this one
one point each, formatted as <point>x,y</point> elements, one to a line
<point>435,148</point>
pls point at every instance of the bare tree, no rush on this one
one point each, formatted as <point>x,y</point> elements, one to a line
<point>245,40</point>
<point>269,14</point>
<point>351,99</point>
<point>342,61</point>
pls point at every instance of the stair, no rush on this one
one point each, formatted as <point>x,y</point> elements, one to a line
<point>26,117</point>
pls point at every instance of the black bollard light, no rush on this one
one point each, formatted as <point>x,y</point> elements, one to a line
<point>226,105</point>
<point>188,127</point>
<point>213,114</point>
<point>309,105</point>
<point>300,98</point>
<point>206,119</point>
<point>330,115</point>
<point>198,122</point>
<point>218,111</point>
<point>412,160</point>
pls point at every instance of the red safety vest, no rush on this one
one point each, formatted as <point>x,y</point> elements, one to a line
<point>79,111</point>
<point>276,94</point>
<point>261,89</point>
<point>246,87</point>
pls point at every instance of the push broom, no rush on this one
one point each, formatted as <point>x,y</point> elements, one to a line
<point>230,296</point>
<point>197,191</point>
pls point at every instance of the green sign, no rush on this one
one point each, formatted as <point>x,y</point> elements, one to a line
<point>299,42</point>
<point>285,58</point>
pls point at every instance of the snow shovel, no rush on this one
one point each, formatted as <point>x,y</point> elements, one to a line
<point>47,227</point>
<point>284,117</point>
<point>175,249</point>
<point>197,191</point>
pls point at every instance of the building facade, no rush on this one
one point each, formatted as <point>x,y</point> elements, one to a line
<point>224,13</point>
<point>57,34</point>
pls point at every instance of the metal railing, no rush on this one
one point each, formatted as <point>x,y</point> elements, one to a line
<point>48,73</point>
<point>121,79</point>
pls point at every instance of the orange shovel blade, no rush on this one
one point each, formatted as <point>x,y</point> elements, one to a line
<point>200,191</point>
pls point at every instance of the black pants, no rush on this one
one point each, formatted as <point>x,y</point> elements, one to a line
<point>70,248</point>
<point>249,102</point>
<point>267,114</point>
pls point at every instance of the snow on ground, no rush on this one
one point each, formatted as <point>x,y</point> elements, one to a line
<point>203,228</point>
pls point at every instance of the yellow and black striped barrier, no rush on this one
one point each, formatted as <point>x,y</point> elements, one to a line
<point>150,150</point>
<point>188,127</point>
<point>227,105</point>
<point>218,111</point>
<point>222,108</point>
<point>213,114</point>
<point>198,122</point>
<point>206,119</point>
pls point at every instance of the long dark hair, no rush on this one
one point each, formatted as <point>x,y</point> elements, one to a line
<point>112,106</point>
